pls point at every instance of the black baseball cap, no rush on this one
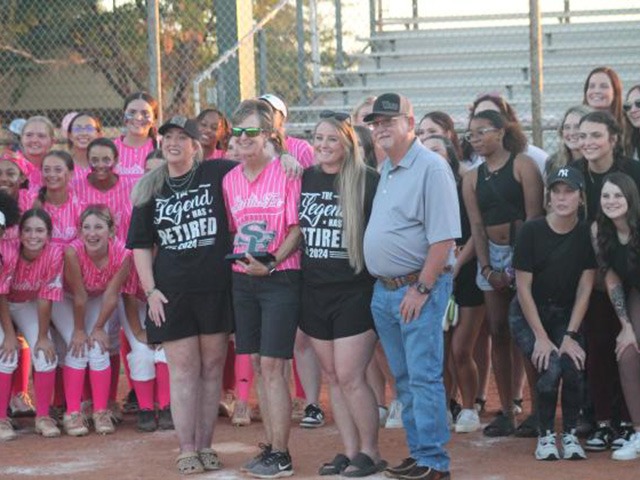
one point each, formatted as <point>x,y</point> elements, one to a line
<point>189,126</point>
<point>390,105</point>
<point>567,175</point>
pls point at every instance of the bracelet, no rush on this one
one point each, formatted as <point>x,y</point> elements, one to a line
<point>148,293</point>
<point>489,276</point>
<point>572,335</point>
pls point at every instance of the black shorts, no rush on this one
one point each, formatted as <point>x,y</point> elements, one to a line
<point>465,288</point>
<point>189,314</point>
<point>335,311</point>
<point>266,311</point>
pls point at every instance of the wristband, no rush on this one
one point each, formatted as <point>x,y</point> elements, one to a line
<point>148,293</point>
<point>572,335</point>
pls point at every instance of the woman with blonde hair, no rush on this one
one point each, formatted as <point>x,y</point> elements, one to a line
<point>632,123</point>
<point>568,139</point>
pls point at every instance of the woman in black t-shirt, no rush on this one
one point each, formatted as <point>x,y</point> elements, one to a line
<point>555,271</point>
<point>335,205</point>
<point>618,235</point>
<point>179,210</point>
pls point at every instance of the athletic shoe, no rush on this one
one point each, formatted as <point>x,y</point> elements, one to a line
<point>47,427</point>
<point>130,402</point>
<point>103,422</point>
<point>546,449</point>
<point>146,421</point>
<point>468,421</point>
<point>394,419</point>
<point>383,412</point>
<point>600,439</point>
<point>116,412</point>
<point>517,406</point>
<point>6,430</point>
<point>74,425</point>
<point>241,414</point>
<point>455,408</point>
<point>273,465</point>
<point>425,473</point>
<point>479,404</point>
<point>21,405</point>
<point>165,420</point>
<point>405,466</point>
<point>630,450</point>
<point>265,451</point>
<point>571,448</point>
<point>623,434</point>
<point>313,417</point>
<point>226,405</point>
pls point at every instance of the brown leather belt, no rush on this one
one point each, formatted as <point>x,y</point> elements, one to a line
<point>394,283</point>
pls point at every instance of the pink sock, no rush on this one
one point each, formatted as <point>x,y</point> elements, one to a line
<point>59,393</point>
<point>73,385</point>
<point>244,376</point>
<point>115,376</point>
<point>43,383</point>
<point>163,390</point>
<point>100,383</point>
<point>296,378</point>
<point>5,393</point>
<point>144,392</point>
<point>21,374</point>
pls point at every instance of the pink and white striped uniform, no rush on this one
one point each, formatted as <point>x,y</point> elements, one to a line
<point>217,154</point>
<point>9,252</point>
<point>35,179</point>
<point>39,279</point>
<point>261,212</point>
<point>131,159</point>
<point>96,278</point>
<point>117,199</point>
<point>79,175</point>
<point>65,219</point>
<point>25,202</point>
<point>301,150</point>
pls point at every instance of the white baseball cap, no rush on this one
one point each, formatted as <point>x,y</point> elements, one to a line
<point>276,103</point>
<point>16,126</point>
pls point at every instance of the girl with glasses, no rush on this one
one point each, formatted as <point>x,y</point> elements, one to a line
<point>83,128</point>
<point>632,123</point>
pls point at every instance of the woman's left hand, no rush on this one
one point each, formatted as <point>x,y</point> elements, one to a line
<point>574,351</point>
<point>626,338</point>
<point>99,336</point>
<point>252,266</point>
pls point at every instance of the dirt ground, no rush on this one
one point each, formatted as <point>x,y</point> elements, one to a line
<point>129,455</point>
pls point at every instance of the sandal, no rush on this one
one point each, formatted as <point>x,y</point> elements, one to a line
<point>189,463</point>
<point>209,459</point>
<point>364,466</point>
<point>528,428</point>
<point>501,426</point>
<point>335,466</point>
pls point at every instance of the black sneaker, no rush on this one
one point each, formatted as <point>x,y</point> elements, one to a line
<point>405,466</point>
<point>165,420</point>
<point>130,402</point>
<point>455,408</point>
<point>275,465</point>
<point>313,417</point>
<point>146,421</point>
<point>600,439</point>
<point>265,450</point>
<point>623,435</point>
<point>425,473</point>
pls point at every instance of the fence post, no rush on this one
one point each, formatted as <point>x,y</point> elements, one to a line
<point>537,81</point>
<point>372,18</point>
<point>262,62</point>
<point>302,78</point>
<point>155,65</point>
<point>339,49</point>
<point>315,42</point>
<point>567,11</point>
<point>415,13</point>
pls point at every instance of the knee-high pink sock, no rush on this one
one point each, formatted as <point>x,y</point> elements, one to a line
<point>73,386</point>
<point>296,379</point>
<point>115,376</point>
<point>5,393</point>
<point>43,383</point>
<point>163,390</point>
<point>125,349</point>
<point>100,385</point>
<point>21,374</point>
<point>144,392</point>
<point>244,376</point>
<point>59,392</point>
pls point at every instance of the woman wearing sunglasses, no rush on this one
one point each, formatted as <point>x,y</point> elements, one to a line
<point>632,123</point>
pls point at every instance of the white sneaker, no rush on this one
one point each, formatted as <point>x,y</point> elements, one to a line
<point>629,450</point>
<point>572,450</point>
<point>468,421</point>
<point>6,430</point>
<point>546,449</point>
<point>394,419</point>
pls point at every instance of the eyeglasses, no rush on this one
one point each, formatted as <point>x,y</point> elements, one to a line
<point>79,129</point>
<point>339,116</point>
<point>384,122</point>
<point>133,114</point>
<point>249,131</point>
<point>481,132</point>
<point>628,105</point>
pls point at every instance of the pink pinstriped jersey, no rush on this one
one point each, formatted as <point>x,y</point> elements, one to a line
<point>131,159</point>
<point>79,175</point>
<point>301,150</point>
<point>117,199</point>
<point>261,212</point>
<point>35,179</point>
<point>94,278</point>
<point>9,251</point>
<point>65,219</point>
<point>38,279</point>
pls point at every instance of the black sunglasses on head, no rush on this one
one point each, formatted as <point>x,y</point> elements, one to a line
<point>340,116</point>
<point>627,106</point>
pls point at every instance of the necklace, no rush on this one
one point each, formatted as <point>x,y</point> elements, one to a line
<point>177,186</point>
<point>489,174</point>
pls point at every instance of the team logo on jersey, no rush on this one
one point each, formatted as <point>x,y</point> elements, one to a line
<point>254,236</point>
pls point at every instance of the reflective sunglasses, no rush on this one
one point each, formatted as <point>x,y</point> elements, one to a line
<point>627,106</point>
<point>249,131</point>
<point>339,116</point>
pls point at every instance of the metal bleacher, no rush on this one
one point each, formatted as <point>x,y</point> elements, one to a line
<point>440,67</point>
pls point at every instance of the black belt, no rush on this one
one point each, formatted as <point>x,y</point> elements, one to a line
<point>394,283</point>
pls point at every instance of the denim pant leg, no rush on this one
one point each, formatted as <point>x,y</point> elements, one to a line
<point>415,354</point>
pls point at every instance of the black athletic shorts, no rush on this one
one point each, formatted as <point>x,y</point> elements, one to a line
<point>465,288</point>
<point>192,313</point>
<point>266,311</point>
<point>336,311</point>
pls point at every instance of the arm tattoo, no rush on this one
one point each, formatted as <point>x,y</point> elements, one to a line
<point>619,303</point>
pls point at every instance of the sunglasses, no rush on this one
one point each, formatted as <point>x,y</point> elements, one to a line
<point>249,131</point>
<point>627,106</point>
<point>339,116</point>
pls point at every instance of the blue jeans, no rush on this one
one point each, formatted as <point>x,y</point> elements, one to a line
<point>415,354</point>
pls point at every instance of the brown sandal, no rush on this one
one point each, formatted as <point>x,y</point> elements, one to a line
<point>189,463</point>
<point>209,459</point>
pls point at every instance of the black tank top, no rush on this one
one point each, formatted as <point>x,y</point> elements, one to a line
<point>500,196</point>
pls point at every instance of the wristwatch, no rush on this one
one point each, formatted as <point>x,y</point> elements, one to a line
<point>572,335</point>
<point>422,288</point>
